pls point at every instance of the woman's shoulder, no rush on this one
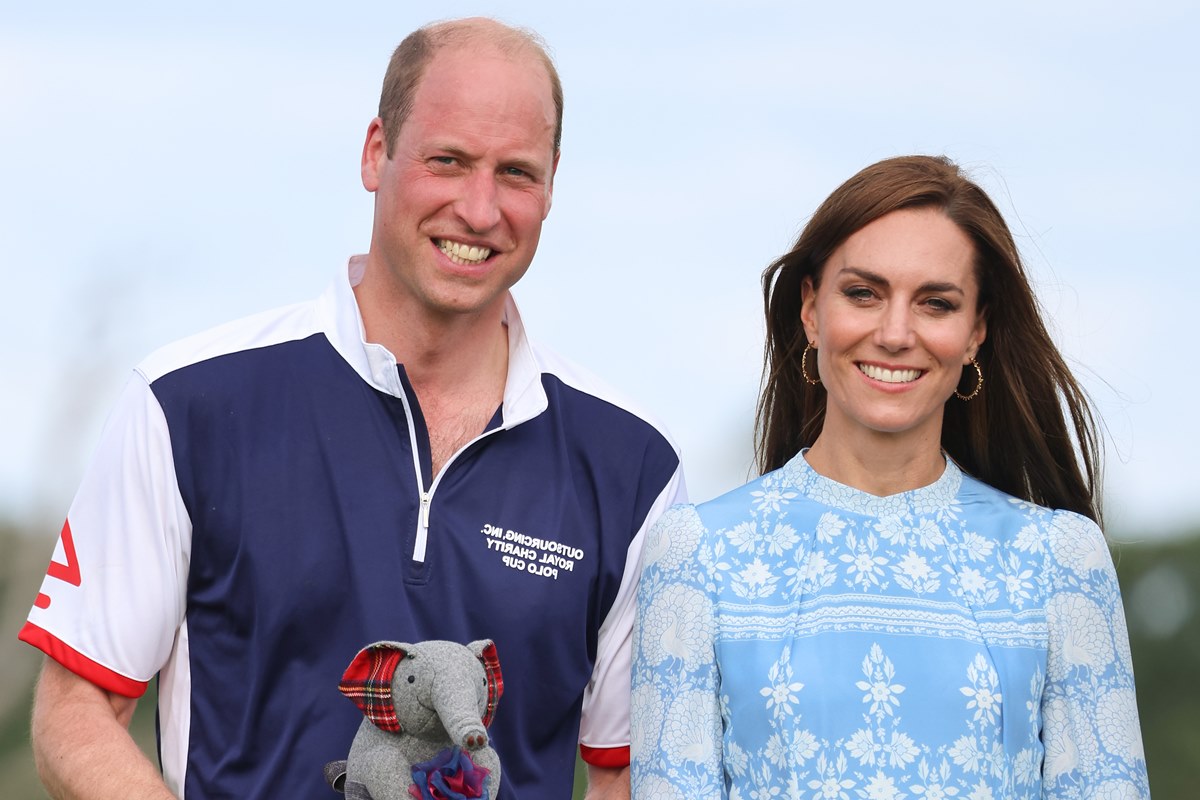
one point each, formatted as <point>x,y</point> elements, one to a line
<point>737,503</point>
<point>991,502</point>
<point>674,539</point>
<point>683,526</point>
<point>1077,543</point>
<point>1070,537</point>
<point>975,489</point>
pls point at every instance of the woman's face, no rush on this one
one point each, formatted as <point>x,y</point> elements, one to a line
<point>894,320</point>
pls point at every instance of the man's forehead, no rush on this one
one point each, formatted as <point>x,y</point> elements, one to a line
<point>491,78</point>
<point>456,55</point>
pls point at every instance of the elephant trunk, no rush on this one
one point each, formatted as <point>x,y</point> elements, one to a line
<point>457,701</point>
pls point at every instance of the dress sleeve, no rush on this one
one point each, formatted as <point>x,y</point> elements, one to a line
<point>1090,729</point>
<point>113,597</point>
<point>676,728</point>
<point>604,722</point>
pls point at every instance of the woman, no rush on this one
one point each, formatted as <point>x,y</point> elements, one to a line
<point>915,599</point>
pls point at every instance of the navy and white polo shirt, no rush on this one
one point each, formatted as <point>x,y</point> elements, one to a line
<point>261,507</point>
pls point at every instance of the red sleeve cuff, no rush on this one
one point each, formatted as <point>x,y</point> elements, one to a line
<point>611,757</point>
<point>80,664</point>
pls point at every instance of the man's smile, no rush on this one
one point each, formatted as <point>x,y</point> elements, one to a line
<point>463,254</point>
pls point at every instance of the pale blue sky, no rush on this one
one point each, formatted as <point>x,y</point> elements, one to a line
<point>162,170</point>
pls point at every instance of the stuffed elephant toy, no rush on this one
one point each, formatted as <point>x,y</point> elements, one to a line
<point>424,734</point>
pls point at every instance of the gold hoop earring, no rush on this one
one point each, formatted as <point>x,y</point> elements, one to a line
<point>804,365</point>
<point>978,383</point>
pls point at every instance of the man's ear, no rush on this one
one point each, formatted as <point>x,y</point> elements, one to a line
<point>373,155</point>
<point>550,185</point>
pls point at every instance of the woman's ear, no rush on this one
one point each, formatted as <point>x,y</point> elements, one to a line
<point>978,335</point>
<point>808,308</point>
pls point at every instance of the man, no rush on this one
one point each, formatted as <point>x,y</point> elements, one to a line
<point>395,461</point>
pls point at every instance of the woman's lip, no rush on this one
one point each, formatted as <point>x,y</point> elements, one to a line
<point>896,375</point>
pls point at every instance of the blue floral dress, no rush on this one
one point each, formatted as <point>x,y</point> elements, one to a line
<point>798,638</point>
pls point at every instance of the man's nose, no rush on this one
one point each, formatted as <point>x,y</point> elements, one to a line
<point>479,204</point>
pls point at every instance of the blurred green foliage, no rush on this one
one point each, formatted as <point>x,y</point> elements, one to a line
<point>1160,582</point>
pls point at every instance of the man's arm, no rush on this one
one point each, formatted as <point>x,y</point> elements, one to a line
<point>81,741</point>
<point>607,783</point>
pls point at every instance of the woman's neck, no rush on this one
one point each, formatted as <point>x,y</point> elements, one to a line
<point>882,464</point>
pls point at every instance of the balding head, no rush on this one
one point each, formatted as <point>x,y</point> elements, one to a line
<point>414,54</point>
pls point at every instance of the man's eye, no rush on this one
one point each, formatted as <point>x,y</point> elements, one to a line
<point>515,172</point>
<point>447,160</point>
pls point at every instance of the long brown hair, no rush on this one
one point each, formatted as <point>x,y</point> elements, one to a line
<point>1014,435</point>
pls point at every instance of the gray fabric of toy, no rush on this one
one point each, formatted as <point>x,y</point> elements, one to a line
<point>426,709</point>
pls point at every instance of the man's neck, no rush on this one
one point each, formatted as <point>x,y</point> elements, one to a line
<point>456,364</point>
<point>459,390</point>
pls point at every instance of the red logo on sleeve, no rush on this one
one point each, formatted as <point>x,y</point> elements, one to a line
<point>68,572</point>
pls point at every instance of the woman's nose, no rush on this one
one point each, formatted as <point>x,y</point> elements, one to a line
<point>895,330</point>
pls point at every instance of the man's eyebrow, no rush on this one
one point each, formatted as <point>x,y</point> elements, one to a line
<point>874,277</point>
<point>449,150</point>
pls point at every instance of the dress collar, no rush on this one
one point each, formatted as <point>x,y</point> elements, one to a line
<point>927,499</point>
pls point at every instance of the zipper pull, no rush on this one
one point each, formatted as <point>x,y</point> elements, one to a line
<point>422,528</point>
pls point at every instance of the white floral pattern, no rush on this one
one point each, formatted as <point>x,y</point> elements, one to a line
<point>678,628</point>
<point>797,638</point>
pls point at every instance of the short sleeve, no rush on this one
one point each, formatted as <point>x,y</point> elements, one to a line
<point>113,597</point>
<point>676,728</point>
<point>1090,728</point>
<point>604,722</point>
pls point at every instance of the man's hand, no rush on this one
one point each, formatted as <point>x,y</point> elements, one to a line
<point>607,783</point>
<point>81,741</point>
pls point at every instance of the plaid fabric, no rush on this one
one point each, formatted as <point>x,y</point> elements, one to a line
<point>368,682</point>
<point>495,682</point>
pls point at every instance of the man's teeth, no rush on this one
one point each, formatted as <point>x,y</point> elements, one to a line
<point>889,375</point>
<point>464,254</point>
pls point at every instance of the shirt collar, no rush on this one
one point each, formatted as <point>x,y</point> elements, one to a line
<point>524,395</point>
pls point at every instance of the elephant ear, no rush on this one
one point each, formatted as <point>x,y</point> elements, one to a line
<point>368,683</point>
<point>485,651</point>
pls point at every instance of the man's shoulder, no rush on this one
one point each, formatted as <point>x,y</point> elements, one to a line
<point>264,329</point>
<point>588,387</point>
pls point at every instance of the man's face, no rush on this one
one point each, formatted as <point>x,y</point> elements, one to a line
<point>459,203</point>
